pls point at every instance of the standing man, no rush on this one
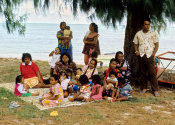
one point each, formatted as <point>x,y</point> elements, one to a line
<point>146,44</point>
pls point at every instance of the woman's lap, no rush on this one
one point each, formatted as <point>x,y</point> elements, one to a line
<point>31,82</point>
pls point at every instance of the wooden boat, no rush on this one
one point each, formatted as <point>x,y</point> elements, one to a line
<point>166,74</point>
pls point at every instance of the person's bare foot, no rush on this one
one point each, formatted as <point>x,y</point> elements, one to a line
<point>113,100</point>
<point>143,91</point>
<point>71,99</point>
<point>156,94</point>
<point>36,94</point>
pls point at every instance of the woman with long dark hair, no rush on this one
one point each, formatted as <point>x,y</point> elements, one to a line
<point>123,65</point>
<point>91,42</point>
<point>64,64</point>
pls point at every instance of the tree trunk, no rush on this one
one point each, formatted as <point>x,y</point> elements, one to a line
<point>134,24</point>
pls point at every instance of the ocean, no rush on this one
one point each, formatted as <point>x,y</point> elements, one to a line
<point>40,40</point>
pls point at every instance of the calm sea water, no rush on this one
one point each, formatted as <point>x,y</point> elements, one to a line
<point>40,40</point>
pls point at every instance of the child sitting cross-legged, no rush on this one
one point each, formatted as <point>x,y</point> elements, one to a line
<point>55,96</point>
<point>19,88</point>
<point>124,90</point>
<point>85,90</point>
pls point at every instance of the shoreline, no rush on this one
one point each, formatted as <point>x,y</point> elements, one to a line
<point>105,58</point>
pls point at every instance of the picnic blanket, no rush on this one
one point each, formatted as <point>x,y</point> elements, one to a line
<point>35,99</point>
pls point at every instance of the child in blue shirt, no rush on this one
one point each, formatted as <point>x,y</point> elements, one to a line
<point>123,91</point>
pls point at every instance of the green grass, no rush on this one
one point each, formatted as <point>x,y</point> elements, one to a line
<point>102,112</point>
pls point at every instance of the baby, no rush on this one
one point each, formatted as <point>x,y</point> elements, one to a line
<point>111,81</point>
<point>67,33</point>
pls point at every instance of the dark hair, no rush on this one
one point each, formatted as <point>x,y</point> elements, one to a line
<point>83,79</point>
<point>18,79</point>
<point>79,69</point>
<point>54,76</point>
<point>121,81</point>
<point>146,19</point>
<point>94,67</point>
<point>68,27</point>
<point>70,60</point>
<point>112,73</point>
<point>64,72</point>
<point>68,71</point>
<point>95,27</point>
<point>59,48</point>
<point>94,54</point>
<point>116,55</point>
<point>62,23</point>
<point>96,79</point>
<point>26,55</point>
<point>112,60</point>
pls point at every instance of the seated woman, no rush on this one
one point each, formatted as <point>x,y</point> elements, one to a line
<point>64,64</point>
<point>31,73</point>
<point>112,68</point>
<point>123,65</point>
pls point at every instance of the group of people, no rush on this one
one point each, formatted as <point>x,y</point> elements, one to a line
<point>85,84</point>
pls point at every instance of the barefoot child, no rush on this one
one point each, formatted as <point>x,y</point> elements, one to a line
<point>55,58</point>
<point>124,90</point>
<point>111,83</point>
<point>55,96</point>
<point>96,89</point>
<point>85,90</point>
<point>19,88</point>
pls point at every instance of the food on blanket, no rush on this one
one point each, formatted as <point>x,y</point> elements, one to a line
<point>54,113</point>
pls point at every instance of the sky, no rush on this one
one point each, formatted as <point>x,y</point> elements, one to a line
<point>53,14</point>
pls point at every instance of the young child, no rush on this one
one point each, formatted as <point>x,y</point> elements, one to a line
<point>69,74</point>
<point>85,90</point>
<point>94,55</point>
<point>55,58</point>
<point>72,83</point>
<point>124,90</point>
<point>55,96</point>
<point>110,85</point>
<point>75,84</point>
<point>111,81</point>
<point>64,83</point>
<point>67,33</point>
<point>96,89</point>
<point>78,73</point>
<point>90,70</point>
<point>19,88</point>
